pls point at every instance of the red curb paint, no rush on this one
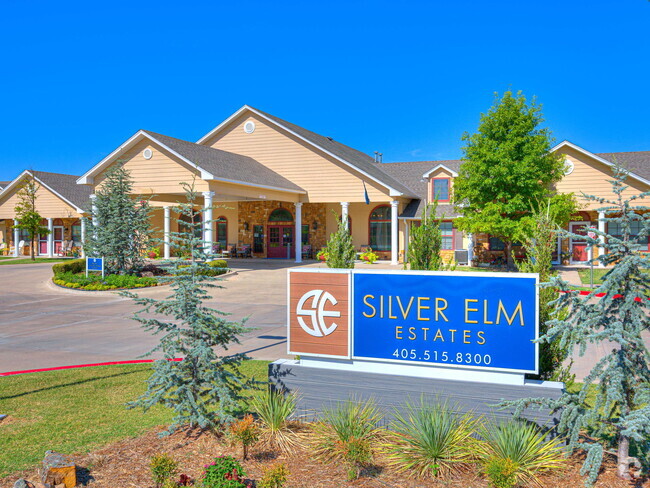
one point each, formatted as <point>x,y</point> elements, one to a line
<point>600,295</point>
<point>57,368</point>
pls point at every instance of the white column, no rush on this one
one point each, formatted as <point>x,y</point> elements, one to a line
<point>83,237</point>
<point>166,245</point>
<point>601,228</point>
<point>93,206</point>
<point>16,237</point>
<point>344,211</point>
<point>394,229</point>
<point>407,236</point>
<point>470,249</point>
<point>50,237</point>
<point>207,220</point>
<point>297,238</point>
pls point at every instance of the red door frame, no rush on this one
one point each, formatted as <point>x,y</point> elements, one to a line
<point>280,252</point>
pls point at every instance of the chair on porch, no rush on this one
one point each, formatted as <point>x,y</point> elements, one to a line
<point>21,248</point>
<point>244,251</point>
<point>231,250</point>
<point>306,252</point>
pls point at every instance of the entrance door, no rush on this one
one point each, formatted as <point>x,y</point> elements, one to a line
<point>579,252</point>
<point>280,242</point>
<point>57,235</point>
<point>42,244</point>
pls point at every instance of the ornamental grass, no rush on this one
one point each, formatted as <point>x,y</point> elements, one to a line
<point>274,410</point>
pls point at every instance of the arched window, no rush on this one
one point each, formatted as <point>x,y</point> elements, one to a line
<point>379,228</point>
<point>280,215</point>
<point>222,231</point>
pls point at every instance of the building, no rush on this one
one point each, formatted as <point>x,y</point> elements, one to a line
<point>281,189</point>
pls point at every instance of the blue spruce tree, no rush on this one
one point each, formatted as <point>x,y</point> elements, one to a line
<point>203,389</point>
<point>620,409</point>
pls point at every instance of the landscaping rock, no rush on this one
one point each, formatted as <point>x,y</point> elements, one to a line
<point>42,485</point>
<point>23,483</point>
<point>59,469</point>
<point>147,274</point>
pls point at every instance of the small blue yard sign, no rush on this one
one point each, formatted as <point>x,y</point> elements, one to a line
<point>95,264</point>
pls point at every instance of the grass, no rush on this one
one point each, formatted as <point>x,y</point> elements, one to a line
<point>7,261</point>
<point>76,411</point>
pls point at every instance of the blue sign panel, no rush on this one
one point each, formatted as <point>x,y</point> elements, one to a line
<point>468,320</point>
<point>94,264</point>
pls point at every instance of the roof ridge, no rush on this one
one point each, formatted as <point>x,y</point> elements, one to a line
<point>622,152</point>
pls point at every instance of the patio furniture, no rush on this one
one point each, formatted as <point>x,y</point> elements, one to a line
<point>244,251</point>
<point>306,252</point>
<point>21,247</point>
<point>66,247</point>
<point>3,248</point>
<point>231,250</point>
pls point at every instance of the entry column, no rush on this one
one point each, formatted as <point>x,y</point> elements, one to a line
<point>166,245</point>
<point>344,212</point>
<point>297,234</point>
<point>601,228</point>
<point>50,237</point>
<point>16,237</point>
<point>83,236</point>
<point>207,221</point>
<point>394,252</point>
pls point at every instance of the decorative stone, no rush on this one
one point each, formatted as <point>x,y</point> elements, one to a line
<point>59,469</point>
<point>23,483</point>
<point>147,274</point>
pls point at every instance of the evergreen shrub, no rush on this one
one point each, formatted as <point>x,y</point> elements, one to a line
<point>73,266</point>
<point>163,468</point>
<point>96,283</point>
<point>224,472</point>
<point>274,477</point>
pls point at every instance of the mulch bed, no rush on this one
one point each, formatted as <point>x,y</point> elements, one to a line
<point>125,464</point>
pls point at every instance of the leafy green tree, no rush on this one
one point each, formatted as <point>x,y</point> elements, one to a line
<point>339,249</point>
<point>121,232</point>
<point>614,399</point>
<point>506,165</point>
<point>28,217</point>
<point>538,235</point>
<point>205,388</point>
<point>425,242</point>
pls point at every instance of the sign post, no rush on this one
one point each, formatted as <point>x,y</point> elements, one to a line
<point>94,264</point>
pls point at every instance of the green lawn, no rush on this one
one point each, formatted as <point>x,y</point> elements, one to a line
<point>76,411</point>
<point>29,261</point>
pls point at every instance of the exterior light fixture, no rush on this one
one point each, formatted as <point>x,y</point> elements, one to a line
<point>314,225</point>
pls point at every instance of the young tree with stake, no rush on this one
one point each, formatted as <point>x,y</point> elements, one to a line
<point>28,217</point>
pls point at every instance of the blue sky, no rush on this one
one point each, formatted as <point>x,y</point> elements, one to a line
<point>404,78</point>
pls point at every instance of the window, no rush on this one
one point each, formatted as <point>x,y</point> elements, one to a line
<point>76,233</point>
<point>639,242</point>
<point>222,232</point>
<point>379,236</point>
<point>441,189</point>
<point>280,215</point>
<point>447,232</point>
<point>305,234</point>
<point>496,244</point>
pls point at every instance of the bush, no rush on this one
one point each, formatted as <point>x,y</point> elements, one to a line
<point>211,271</point>
<point>523,444</point>
<point>95,282</point>
<point>274,477</point>
<point>245,432</point>
<point>153,253</point>
<point>431,440</point>
<point>349,434</point>
<point>369,256</point>
<point>163,468</point>
<point>218,263</point>
<point>224,472</point>
<point>501,472</point>
<point>73,266</point>
<point>273,409</point>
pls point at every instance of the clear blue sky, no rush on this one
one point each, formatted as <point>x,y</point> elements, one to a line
<point>403,78</point>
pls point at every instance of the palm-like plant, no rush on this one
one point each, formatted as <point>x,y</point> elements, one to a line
<point>524,444</point>
<point>349,434</point>
<point>274,410</point>
<point>431,440</point>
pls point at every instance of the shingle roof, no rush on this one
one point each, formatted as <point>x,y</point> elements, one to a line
<point>410,173</point>
<point>638,162</point>
<point>226,165</point>
<point>360,160</point>
<point>67,187</point>
<point>3,184</point>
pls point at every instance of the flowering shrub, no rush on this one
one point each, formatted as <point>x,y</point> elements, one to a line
<point>153,253</point>
<point>225,472</point>
<point>322,255</point>
<point>369,256</point>
<point>94,282</point>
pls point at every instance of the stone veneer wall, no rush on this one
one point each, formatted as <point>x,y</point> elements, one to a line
<point>257,213</point>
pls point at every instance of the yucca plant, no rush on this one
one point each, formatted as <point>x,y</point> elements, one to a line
<point>349,434</point>
<point>274,410</point>
<point>431,440</point>
<point>525,445</point>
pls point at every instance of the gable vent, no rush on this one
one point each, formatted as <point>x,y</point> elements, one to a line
<point>249,127</point>
<point>147,153</point>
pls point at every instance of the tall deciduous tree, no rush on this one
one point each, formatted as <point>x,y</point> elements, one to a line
<point>507,165</point>
<point>620,380</point>
<point>28,217</point>
<point>121,232</point>
<point>425,242</point>
<point>340,251</point>
<point>204,389</point>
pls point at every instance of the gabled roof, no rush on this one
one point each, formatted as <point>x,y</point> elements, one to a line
<point>440,166</point>
<point>213,164</point>
<point>3,184</point>
<point>640,161</point>
<point>345,154</point>
<point>62,185</point>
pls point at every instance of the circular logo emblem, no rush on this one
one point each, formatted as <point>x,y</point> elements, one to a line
<point>317,313</point>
